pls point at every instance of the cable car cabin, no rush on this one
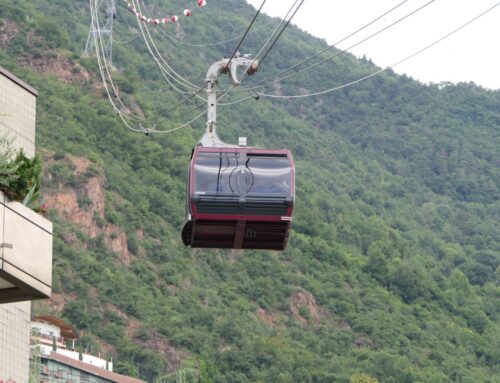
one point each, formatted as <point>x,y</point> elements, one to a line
<point>239,198</point>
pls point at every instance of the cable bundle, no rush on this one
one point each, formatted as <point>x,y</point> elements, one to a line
<point>163,20</point>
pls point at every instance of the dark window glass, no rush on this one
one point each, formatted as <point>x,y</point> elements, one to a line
<point>213,171</point>
<point>271,175</point>
<point>233,173</point>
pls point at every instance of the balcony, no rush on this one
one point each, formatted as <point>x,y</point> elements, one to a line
<point>25,253</point>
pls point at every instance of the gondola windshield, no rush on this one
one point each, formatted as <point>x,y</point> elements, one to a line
<point>234,173</point>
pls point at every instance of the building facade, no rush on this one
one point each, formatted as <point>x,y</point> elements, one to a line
<point>52,334</point>
<point>18,249</point>
<point>57,368</point>
<point>57,361</point>
<point>14,341</point>
<point>18,111</point>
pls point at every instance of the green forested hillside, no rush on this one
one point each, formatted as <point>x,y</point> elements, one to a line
<point>392,269</point>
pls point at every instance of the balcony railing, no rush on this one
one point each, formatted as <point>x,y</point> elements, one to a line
<point>25,253</point>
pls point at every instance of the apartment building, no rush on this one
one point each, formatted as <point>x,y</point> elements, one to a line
<point>25,239</point>
<point>58,361</point>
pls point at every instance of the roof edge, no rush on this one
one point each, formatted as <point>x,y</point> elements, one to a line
<point>18,81</point>
<point>92,369</point>
<point>67,331</point>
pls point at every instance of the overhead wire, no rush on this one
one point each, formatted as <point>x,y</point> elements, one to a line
<point>163,114</point>
<point>115,91</point>
<point>335,44</point>
<point>290,68</point>
<point>99,44</point>
<point>180,80</point>
<point>103,69</point>
<point>93,13</point>
<point>165,73</point>
<point>162,58</point>
<point>245,72</point>
<point>281,32</point>
<point>188,83</point>
<point>243,37</point>
<point>303,61</point>
<point>388,67</point>
<point>126,41</point>
<point>272,35</point>
<point>178,127</point>
<point>205,45</point>
<point>246,32</point>
<point>185,100</point>
<point>232,56</point>
<point>340,52</point>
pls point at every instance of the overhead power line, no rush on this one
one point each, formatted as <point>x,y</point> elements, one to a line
<point>335,44</point>
<point>106,76</point>
<point>103,61</point>
<point>124,42</point>
<point>281,32</point>
<point>390,66</point>
<point>99,51</point>
<point>246,32</point>
<point>187,82</point>
<point>206,45</point>
<point>264,46</point>
<point>341,52</point>
<point>178,127</point>
<point>172,74</point>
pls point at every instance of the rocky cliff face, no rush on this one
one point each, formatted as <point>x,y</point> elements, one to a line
<point>81,199</point>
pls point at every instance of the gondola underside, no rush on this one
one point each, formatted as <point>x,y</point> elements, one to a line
<point>234,234</point>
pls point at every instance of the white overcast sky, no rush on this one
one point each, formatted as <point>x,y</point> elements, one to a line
<point>472,54</point>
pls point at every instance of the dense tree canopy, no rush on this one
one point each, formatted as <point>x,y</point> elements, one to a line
<point>392,270</point>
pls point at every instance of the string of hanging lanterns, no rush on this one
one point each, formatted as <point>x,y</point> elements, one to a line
<point>163,20</point>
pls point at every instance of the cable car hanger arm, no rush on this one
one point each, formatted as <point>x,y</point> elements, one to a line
<point>229,67</point>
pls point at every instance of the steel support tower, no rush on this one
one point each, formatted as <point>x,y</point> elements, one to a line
<point>103,33</point>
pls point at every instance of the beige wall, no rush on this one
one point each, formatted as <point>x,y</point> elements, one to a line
<point>17,114</point>
<point>14,341</point>
<point>17,118</point>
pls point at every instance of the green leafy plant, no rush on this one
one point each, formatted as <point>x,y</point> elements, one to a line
<point>8,168</point>
<point>20,177</point>
<point>33,199</point>
<point>29,171</point>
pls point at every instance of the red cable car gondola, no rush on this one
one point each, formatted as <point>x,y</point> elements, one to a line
<point>239,198</point>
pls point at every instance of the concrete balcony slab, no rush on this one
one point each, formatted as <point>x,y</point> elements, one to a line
<point>25,253</point>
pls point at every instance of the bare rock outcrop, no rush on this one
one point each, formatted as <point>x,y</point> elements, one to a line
<point>117,241</point>
<point>60,66</point>
<point>268,318</point>
<point>303,307</point>
<point>8,32</point>
<point>84,205</point>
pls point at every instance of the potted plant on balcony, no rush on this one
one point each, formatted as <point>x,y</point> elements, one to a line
<point>20,176</point>
<point>8,173</point>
